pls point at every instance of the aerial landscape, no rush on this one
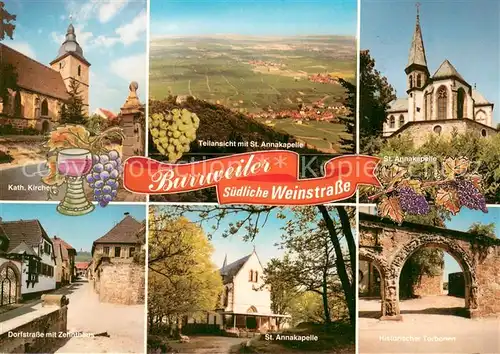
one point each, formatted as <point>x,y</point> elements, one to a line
<point>288,83</point>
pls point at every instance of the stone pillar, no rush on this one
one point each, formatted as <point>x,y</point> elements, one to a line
<point>133,124</point>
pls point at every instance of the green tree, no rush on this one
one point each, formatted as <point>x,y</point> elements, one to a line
<point>6,26</point>
<point>72,111</point>
<point>478,228</point>
<point>375,95</point>
<point>95,124</point>
<point>182,279</point>
<point>348,143</point>
<point>8,80</point>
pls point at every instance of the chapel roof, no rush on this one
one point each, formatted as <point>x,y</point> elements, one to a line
<point>446,70</point>
<point>34,76</point>
<point>62,242</point>
<point>479,98</point>
<point>398,105</point>
<point>229,271</point>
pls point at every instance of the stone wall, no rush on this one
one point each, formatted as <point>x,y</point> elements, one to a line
<point>429,285</point>
<point>38,334</point>
<point>120,283</point>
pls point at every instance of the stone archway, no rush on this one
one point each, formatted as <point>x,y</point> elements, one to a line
<point>437,241</point>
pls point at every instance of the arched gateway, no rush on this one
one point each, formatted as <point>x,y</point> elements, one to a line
<point>388,246</point>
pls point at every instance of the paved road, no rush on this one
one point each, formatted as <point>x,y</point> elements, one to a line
<point>123,323</point>
<point>429,326</point>
<point>210,345</point>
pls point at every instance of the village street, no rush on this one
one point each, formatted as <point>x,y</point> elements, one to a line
<point>428,326</point>
<point>123,323</point>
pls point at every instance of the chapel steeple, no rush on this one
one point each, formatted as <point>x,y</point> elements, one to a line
<point>417,70</point>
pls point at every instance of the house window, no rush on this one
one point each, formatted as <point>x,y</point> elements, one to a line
<point>131,251</point>
<point>411,81</point>
<point>392,122</point>
<point>106,251</point>
<point>45,108</point>
<point>226,297</point>
<point>401,120</point>
<point>256,279</point>
<point>250,278</point>
<point>419,80</point>
<point>118,251</point>
<point>442,97</point>
<point>79,70</point>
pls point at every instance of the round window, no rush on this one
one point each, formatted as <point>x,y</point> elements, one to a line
<point>483,132</point>
<point>437,129</point>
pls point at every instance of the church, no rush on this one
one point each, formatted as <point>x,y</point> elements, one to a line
<point>437,104</point>
<point>245,302</point>
<point>42,89</point>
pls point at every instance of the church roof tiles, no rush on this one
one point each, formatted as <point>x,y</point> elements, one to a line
<point>398,105</point>
<point>478,98</point>
<point>417,50</point>
<point>34,76</point>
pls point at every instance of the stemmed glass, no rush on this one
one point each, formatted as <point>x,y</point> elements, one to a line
<point>74,164</point>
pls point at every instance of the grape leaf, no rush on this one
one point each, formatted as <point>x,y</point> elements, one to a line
<point>392,175</point>
<point>68,136</point>
<point>390,207</point>
<point>455,167</point>
<point>53,178</point>
<point>448,199</point>
<point>414,184</point>
<point>476,181</point>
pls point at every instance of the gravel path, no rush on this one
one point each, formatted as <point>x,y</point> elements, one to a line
<point>430,325</point>
<point>123,323</point>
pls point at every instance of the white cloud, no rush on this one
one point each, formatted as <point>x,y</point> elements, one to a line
<point>109,9</point>
<point>23,47</point>
<point>127,34</point>
<point>131,68</point>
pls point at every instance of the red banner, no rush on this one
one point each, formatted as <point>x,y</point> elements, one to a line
<point>264,178</point>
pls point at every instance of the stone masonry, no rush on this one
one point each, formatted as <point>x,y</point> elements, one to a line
<point>388,246</point>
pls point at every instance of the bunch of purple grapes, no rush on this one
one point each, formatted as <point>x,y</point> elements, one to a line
<point>412,202</point>
<point>103,178</point>
<point>469,196</point>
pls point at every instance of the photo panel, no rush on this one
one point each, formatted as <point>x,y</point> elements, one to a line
<point>429,97</point>
<point>230,77</point>
<point>72,105</point>
<point>72,284</point>
<point>254,279</point>
<point>429,282</point>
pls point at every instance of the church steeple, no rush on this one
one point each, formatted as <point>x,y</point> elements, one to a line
<point>417,57</point>
<point>225,262</point>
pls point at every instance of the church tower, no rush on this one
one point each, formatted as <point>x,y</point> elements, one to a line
<point>72,65</point>
<point>417,74</point>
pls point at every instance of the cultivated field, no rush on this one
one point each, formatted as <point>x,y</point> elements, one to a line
<point>252,75</point>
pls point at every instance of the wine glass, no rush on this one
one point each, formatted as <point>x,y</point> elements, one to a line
<point>74,164</point>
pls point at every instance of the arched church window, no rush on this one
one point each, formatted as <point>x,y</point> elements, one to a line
<point>442,102</point>
<point>45,108</point>
<point>37,107</point>
<point>419,80</point>
<point>18,107</point>
<point>79,70</point>
<point>411,81</point>
<point>392,122</point>
<point>401,120</point>
<point>250,278</point>
<point>460,103</point>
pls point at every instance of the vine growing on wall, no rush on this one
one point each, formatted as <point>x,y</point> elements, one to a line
<point>401,196</point>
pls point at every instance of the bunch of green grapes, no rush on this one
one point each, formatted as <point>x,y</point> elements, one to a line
<point>173,132</point>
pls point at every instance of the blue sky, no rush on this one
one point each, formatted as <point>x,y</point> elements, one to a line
<point>78,231</point>
<point>253,17</point>
<point>467,33</point>
<point>112,35</point>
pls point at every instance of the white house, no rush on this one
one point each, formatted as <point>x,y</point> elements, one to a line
<point>436,104</point>
<point>245,301</point>
<point>26,245</point>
